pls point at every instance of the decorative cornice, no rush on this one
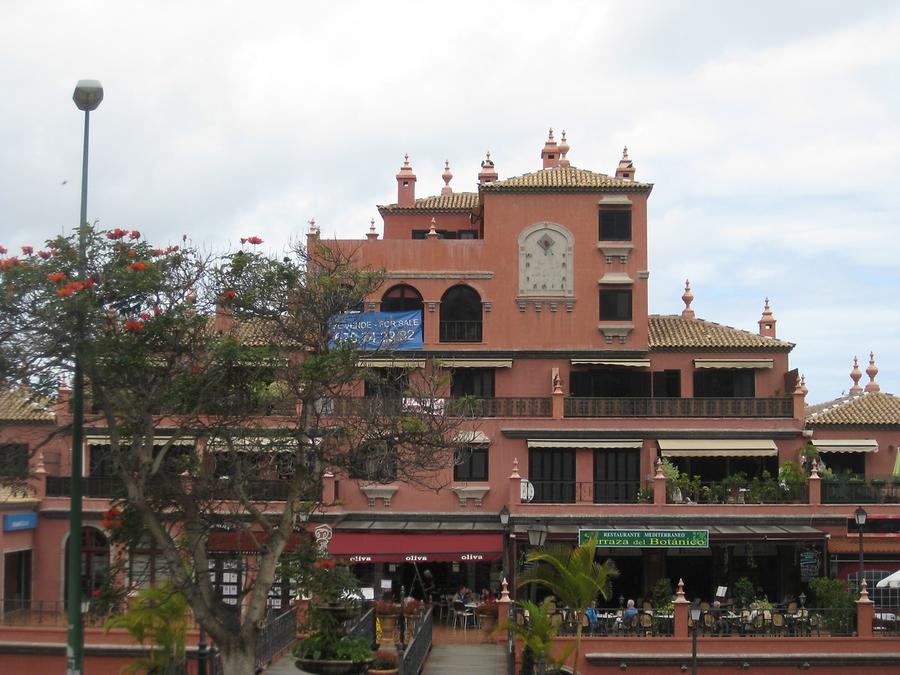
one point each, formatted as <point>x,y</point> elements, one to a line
<point>443,274</point>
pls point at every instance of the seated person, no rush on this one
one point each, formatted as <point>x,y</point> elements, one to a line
<point>629,615</point>
<point>487,595</point>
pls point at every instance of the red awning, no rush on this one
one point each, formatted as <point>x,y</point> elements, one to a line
<point>407,547</point>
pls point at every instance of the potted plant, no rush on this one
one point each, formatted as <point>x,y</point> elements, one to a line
<point>387,613</point>
<point>537,636</point>
<point>487,612</point>
<point>327,653</point>
<point>385,663</point>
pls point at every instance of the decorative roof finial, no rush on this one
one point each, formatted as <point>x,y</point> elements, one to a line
<point>432,231</point>
<point>550,136</point>
<point>313,228</point>
<point>688,298</point>
<point>405,159</point>
<point>767,322</point>
<point>372,234</point>
<point>625,153</point>
<point>625,170</point>
<point>803,389</point>
<point>872,371</point>
<point>447,176</point>
<point>855,374</point>
<point>488,173</point>
<point>563,150</point>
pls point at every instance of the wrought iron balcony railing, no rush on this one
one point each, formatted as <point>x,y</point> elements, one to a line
<point>678,407</point>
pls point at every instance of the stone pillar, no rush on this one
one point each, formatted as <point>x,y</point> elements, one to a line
<point>38,481</point>
<point>659,485</point>
<point>328,488</point>
<point>505,603</point>
<point>559,398</point>
<point>865,613</point>
<point>515,485</point>
<point>814,485</point>
<point>681,612</point>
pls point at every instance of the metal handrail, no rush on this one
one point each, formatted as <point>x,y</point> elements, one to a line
<point>416,651</point>
<point>579,406</point>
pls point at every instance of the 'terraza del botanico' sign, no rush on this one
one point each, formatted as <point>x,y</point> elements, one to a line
<point>370,331</point>
<point>646,538</point>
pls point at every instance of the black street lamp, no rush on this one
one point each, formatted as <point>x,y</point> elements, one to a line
<point>696,614</point>
<point>504,521</point>
<point>88,95</point>
<point>860,517</point>
<point>537,536</point>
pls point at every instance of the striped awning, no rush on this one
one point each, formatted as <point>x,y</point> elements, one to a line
<point>734,363</point>
<point>846,445</point>
<point>585,443</point>
<point>625,363</point>
<point>726,447</point>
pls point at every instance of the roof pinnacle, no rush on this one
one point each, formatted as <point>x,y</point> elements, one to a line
<point>563,150</point>
<point>855,374</point>
<point>688,298</point>
<point>447,176</point>
<point>872,371</point>
<point>625,170</point>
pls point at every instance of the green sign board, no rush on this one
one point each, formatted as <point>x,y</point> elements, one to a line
<point>646,538</point>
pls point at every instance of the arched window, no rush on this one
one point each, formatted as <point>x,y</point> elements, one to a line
<point>401,298</point>
<point>94,561</point>
<point>461,315</point>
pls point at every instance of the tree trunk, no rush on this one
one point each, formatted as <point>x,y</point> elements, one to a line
<point>240,660</point>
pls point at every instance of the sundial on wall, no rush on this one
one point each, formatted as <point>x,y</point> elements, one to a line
<point>545,262</point>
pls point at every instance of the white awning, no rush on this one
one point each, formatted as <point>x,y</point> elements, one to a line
<point>734,363</point>
<point>615,278</point>
<point>585,443</point>
<point>391,363</point>
<point>846,445</point>
<point>475,363</point>
<point>729,447</point>
<point>626,363</point>
<point>103,439</point>
<point>472,437</point>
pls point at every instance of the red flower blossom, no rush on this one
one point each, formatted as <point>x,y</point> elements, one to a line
<point>64,292</point>
<point>324,564</point>
<point>2,250</point>
<point>131,253</point>
<point>172,249</point>
<point>134,325</point>
<point>229,294</point>
<point>134,234</point>
<point>27,250</point>
<point>117,233</point>
<point>76,286</point>
<point>253,240</point>
<point>89,283</point>
<point>56,277</point>
<point>156,311</point>
<point>98,593</point>
<point>9,263</point>
<point>43,254</point>
<point>145,316</point>
<point>156,252</point>
<point>137,267</point>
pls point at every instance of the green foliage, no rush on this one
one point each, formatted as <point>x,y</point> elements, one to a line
<point>661,593</point>
<point>645,495</point>
<point>538,636</point>
<point>157,617</point>
<point>833,595</point>
<point>573,576</point>
<point>322,646</point>
<point>793,479</point>
<point>744,592</point>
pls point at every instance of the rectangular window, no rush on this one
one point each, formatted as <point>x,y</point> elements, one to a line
<point>667,384</point>
<point>617,475</point>
<point>376,463</point>
<point>552,472</point>
<point>615,304</point>
<point>14,461</point>
<point>147,567</point>
<point>468,234</point>
<point>471,463</point>
<point>615,225</point>
<point>725,383</point>
<point>477,382</point>
<point>17,581</point>
<point>610,383</point>
<point>386,382</point>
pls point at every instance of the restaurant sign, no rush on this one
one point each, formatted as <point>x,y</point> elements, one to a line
<point>646,538</point>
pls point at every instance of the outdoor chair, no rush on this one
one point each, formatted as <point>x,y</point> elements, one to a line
<point>462,614</point>
<point>647,606</point>
<point>645,621</point>
<point>710,624</point>
<point>704,606</point>
<point>792,607</point>
<point>778,624</point>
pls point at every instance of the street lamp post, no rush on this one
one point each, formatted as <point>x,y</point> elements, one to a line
<point>88,95</point>
<point>860,517</point>
<point>537,536</point>
<point>696,613</point>
<point>504,522</point>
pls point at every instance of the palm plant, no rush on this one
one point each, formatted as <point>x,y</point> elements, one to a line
<point>573,577</point>
<point>537,635</point>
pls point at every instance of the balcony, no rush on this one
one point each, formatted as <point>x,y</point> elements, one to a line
<point>679,407</point>
<point>475,407</point>
<point>581,492</point>
<point>861,490</point>
<point>460,331</point>
<point>110,487</point>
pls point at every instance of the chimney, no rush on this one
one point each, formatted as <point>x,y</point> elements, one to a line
<point>488,173</point>
<point>550,153</point>
<point>625,170</point>
<point>406,184</point>
<point>767,322</point>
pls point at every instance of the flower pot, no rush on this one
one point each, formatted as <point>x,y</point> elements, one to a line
<point>388,627</point>
<point>328,667</point>
<point>488,624</point>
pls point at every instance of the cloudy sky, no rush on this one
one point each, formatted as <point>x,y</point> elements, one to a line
<point>771,131</point>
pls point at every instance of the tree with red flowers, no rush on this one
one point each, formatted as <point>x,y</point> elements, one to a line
<point>223,396</point>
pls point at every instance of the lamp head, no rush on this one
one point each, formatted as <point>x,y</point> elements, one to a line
<point>860,516</point>
<point>695,613</point>
<point>504,516</point>
<point>88,94</point>
<point>537,535</point>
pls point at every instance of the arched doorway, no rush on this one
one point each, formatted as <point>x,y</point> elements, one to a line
<point>94,561</point>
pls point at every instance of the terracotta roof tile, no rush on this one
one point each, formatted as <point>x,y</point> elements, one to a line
<point>676,332</point>
<point>16,407</point>
<point>458,202</point>
<point>566,179</point>
<point>866,409</point>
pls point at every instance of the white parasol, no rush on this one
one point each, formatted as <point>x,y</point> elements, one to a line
<point>890,581</point>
